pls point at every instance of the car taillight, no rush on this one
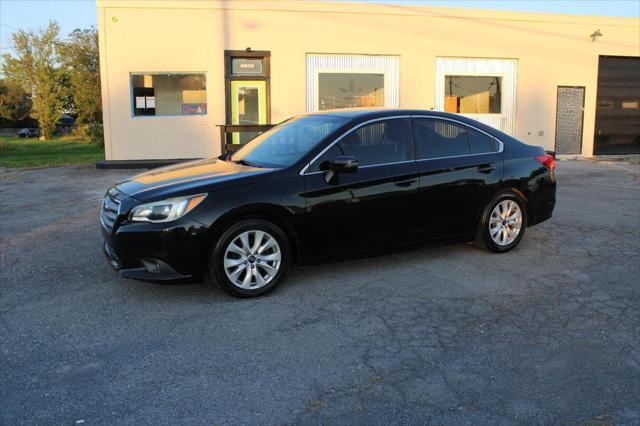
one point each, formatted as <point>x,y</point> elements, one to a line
<point>547,160</point>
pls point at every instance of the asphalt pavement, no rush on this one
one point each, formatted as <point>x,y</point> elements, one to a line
<point>546,334</point>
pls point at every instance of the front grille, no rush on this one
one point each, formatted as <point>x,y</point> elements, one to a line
<point>109,211</point>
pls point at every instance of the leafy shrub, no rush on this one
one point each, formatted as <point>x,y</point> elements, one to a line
<point>93,132</point>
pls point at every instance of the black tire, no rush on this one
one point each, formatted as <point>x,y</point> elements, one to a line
<point>217,256</point>
<point>483,236</point>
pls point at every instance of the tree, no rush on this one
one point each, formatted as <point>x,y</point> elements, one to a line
<point>15,104</point>
<point>80,58</point>
<point>36,69</point>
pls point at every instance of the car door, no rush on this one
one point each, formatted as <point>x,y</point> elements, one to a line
<point>376,205</point>
<point>460,169</point>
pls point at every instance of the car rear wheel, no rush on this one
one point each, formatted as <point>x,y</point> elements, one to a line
<point>251,258</point>
<point>503,223</point>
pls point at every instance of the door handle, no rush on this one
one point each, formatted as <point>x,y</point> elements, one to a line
<point>486,169</point>
<point>406,183</point>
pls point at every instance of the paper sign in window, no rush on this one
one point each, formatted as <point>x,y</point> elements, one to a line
<point>140,102</point>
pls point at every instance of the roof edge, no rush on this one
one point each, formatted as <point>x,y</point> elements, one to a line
<point>349,7</point>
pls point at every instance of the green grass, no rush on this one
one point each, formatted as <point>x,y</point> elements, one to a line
<point>17,152</point>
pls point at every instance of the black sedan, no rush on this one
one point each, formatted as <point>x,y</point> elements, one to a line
<point>327,184</point>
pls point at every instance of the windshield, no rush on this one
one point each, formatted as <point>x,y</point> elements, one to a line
<point>287,142</point>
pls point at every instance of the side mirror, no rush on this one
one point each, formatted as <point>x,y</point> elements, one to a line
<point>341,164</point>
<point>344,164</point>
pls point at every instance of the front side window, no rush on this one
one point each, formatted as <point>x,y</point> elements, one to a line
<point>381,142</point>
<point>350,90</point>
<point>168,94</point>
<point>288,142</point>
<point>468,94</point>
<point>439,138</point>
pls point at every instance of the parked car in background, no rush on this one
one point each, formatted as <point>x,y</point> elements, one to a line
<point>28,133</point>
<point>327,184</point>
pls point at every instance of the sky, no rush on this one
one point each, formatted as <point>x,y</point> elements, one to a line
<point>72,14</point>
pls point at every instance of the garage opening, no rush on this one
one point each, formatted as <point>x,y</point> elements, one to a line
<point>618,106</point>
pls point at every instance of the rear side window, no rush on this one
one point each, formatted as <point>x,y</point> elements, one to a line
<point>439,138</point>
<point>480,143</point>
<point>381,142</point>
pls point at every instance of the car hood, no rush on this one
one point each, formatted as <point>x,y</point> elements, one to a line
<point>190,178</point>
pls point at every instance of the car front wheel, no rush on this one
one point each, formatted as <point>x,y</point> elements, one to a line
<point>503,222</point>
<point>251,258</point>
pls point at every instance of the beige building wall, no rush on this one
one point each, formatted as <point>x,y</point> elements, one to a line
<point>191,36</point>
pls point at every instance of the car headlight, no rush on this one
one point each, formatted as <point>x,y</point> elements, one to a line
<point>165,210</point>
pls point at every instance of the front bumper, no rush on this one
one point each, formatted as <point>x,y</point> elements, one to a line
<point>157,252</point>
<point>152,269</point>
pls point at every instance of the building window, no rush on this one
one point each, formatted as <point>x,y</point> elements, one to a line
<point>169,94</point>
<point>350,90</point>
<point>347,81</point>
<point>468,94</point>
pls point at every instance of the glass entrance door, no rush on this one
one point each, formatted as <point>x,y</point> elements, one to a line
<point>248,107</point>
<point>569,118</point>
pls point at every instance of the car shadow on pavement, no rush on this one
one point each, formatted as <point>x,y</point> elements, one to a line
<point>332,275</point>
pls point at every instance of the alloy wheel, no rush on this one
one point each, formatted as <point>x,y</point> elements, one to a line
<point>505,222</point>
<point>252,259</point>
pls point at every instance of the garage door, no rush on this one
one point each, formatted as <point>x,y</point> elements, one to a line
<point>618,106</point>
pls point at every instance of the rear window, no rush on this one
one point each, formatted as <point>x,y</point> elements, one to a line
<point>439,138</point>
<point>480,143</point>
<point>436,138</point>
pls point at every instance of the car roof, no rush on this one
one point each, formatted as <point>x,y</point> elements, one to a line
<point>358,115</point>
<point>368,113</point>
